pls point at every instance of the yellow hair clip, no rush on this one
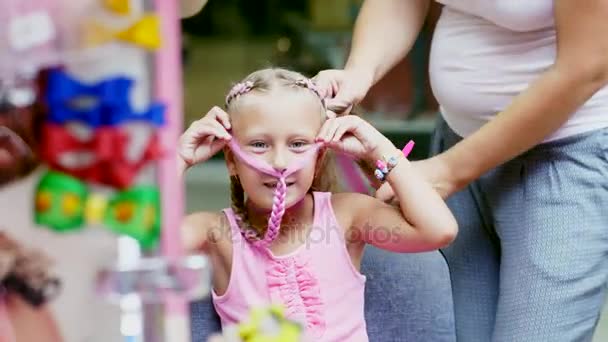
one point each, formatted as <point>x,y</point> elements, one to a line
<point>122,7</point>
<point>145,32</point>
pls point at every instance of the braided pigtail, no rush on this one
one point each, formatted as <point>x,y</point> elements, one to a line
<point>237,199</point>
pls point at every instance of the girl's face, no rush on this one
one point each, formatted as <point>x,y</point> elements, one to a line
<point>278,128</point>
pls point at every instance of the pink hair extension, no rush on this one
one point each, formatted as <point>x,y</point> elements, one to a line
<point>278,210</point>
<point>280,192</point>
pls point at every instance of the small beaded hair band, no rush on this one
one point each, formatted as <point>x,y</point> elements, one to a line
<point>245,87</point>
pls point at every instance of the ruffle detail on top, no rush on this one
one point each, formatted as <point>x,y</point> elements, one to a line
<point>291,280</point>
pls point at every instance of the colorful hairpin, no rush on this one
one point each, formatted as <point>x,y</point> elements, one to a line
<point>145,32</point>
<point>108,145</point>
<point>64,203</point>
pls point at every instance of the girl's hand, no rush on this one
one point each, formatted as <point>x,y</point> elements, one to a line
<point>354,136</point>
<point>204,137</point>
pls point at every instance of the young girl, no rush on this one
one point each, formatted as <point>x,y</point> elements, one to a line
<point>286,238</point>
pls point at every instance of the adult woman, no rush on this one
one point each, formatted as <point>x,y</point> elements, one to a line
<point>522,154</point>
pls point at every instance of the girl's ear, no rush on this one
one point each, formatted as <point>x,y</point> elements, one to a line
<point>230,164</point>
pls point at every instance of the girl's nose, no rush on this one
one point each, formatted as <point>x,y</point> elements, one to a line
<point>280,160</point>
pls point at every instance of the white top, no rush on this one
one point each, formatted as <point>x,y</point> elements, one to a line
<point>486,52</point>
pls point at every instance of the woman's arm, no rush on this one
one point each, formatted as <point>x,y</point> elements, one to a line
<point>384,32</point>
<point>580,70</point>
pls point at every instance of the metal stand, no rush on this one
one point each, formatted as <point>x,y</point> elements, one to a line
<point>135,281</point>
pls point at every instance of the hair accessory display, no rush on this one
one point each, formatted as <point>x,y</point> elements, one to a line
<point>120,7</point>
<point>145,33</point>
<point>108,146</point>
<point>64,203</point>
<point>105,103</point>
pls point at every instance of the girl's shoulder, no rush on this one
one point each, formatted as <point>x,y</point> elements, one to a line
<point>351,202</point>
<point>348,205</point>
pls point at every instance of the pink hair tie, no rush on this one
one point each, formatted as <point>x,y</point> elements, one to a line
<point>280,192</point>
<point>238,89</point>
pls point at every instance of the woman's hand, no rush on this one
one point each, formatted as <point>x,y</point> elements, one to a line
<point>204,138</point>
<point>343,89</point>
<point>354,136</point>
<point>436,171</point>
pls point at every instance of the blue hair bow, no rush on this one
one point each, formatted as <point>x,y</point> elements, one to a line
<point>105,103</point>
<point>63,89</point>
<point>104,116</point>
<point>155,114</point>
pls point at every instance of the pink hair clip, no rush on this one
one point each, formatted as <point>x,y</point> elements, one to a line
<point>238,89</point>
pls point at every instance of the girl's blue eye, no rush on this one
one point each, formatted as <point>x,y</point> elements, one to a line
<point>258,145</point>
<point>299,145</point>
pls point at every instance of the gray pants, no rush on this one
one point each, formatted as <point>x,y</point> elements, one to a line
<point>530,262</point>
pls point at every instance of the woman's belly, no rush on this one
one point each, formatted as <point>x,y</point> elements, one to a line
<point>477,68</point>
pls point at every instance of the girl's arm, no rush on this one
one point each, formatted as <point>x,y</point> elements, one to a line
<point>422,222</point>
<point>580,70</point>
<point>200,230</point>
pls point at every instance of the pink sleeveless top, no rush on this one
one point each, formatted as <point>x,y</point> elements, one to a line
<point>317,283</point>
